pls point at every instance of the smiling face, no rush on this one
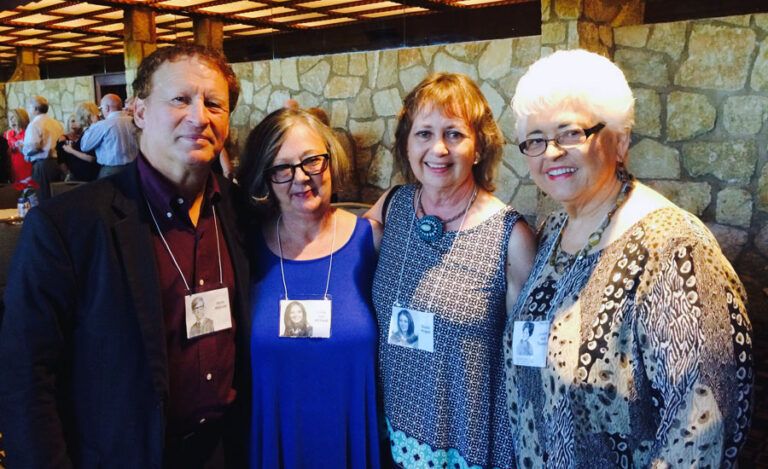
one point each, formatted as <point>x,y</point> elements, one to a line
<point>441,150</point>
<point>304,195</point>
<point>402,323</point>
<point>572,176</point>
<point>185,118</point>
<point>296,314</point>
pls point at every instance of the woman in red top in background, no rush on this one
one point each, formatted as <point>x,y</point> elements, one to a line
<point>18,119</point>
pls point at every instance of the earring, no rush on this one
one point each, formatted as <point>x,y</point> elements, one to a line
<point>621,172</point>
<point>260,199</point>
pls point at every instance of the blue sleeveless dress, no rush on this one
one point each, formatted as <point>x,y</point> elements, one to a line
<point>314,400</point>
<point>445,408</point>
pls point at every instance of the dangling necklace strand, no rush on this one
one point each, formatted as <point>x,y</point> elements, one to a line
<point>559,259</point>
<point>432,227</point>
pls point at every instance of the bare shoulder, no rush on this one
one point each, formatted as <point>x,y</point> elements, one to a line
<point>374,213</point>
<point>378,233</point>
<point>522,240</point>
<point>345,224</point>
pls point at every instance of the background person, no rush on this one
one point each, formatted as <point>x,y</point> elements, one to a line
<point>314,400</point>
<point>97,369</point>
<point>649,350</point>
<point>39,148</point>
<point>450,249</point>
<point>81,166</point>
<point>18,120</point>
<point>113,139</point>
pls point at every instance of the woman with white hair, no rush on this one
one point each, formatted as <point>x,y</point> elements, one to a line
<point>641,354</point>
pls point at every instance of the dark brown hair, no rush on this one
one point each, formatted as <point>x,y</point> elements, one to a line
<point>142,85</point>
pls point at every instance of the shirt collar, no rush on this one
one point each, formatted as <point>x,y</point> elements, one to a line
<point>163,196</point>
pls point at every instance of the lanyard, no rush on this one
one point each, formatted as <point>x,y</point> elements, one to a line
<point>447,259</point>
<point>330,263</point>
<point>173,258</point>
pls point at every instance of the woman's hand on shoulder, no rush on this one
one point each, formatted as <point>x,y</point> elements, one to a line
<point>520,254</point>
<point>375,212</point>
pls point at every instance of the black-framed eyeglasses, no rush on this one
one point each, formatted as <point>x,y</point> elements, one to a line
<point>568,138</point>
<point>311,165</point>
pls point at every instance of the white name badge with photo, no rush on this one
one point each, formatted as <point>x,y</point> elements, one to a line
<point>207,312</point>
<point>305,318</point>
<point>529,343</point>
<point>412,328</point>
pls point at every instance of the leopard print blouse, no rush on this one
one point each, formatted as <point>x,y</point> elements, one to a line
<point>649,357</point>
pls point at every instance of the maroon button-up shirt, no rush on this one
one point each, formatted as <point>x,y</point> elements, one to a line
<point>200,369</point>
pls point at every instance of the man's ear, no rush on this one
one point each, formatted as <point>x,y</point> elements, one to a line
<point>138,113</point>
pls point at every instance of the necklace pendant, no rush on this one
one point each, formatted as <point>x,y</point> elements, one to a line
<point>430,228</point>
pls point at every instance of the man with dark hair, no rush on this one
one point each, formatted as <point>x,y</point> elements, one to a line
<point>113,139</point>
<point>40,145</point>
<point>97,366</point>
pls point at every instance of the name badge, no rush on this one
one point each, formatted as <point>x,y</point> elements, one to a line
<point>305,318</point>
<point>412,328</point>
<point>207,312</point>
<point>529,343</point>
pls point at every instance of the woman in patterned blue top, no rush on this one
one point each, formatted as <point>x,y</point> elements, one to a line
<point>641,349</point>
<point>453,257</point>
<point>313,332</point>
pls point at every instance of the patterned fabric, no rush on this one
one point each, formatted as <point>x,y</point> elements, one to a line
<point>446,408</point>
<point>649,357</point>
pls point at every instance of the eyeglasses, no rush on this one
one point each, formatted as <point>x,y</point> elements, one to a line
<point>568,138</point>
<point>312,166</point>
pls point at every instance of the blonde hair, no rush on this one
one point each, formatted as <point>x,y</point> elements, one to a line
<point>21,117</point>
<point>579,80</point>
<point>83,113</point>
<point>456,95</point>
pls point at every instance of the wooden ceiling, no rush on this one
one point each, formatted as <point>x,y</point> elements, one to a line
<point>65,30</point>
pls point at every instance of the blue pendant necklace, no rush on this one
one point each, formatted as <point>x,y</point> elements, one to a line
<point>432,227</point>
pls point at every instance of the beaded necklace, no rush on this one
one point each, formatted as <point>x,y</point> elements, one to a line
<point>561,260</point>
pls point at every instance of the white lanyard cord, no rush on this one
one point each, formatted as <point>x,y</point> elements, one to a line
<point>173,258</point>
<point>330,263</point>
<point>447,259</point>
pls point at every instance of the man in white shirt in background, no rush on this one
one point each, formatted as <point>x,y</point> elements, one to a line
<point>40,145</point>
<point>114,138</point>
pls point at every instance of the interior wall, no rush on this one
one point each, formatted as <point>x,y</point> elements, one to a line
<point>700,138</point>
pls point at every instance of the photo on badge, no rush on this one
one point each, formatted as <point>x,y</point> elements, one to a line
<point>529,343</point>
<point>412,329</point>
<point>305,318</point>
<point>207,312</point>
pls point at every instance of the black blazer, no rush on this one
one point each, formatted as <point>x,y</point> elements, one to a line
<point>83,362</point>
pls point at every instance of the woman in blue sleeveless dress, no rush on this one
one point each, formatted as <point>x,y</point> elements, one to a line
<point>313,335</point>
<point>454,257</point>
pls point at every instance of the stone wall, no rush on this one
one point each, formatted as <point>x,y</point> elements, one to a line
<point>63,94</point>
<point>3,109</point>
<point>362,93</point>
<point>701,133</point>
<point>702,105</point>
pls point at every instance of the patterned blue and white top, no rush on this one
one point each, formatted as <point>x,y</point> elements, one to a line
<point>445,408</point>
<point>649,360</point>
